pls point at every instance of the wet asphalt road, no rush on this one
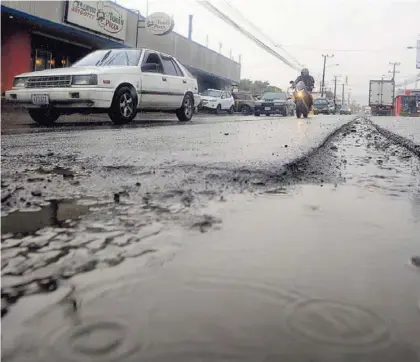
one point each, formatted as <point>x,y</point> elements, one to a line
<point>232,238</point>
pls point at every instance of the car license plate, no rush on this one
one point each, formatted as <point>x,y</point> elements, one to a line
<point>40,99</point>
<point>267,108</point>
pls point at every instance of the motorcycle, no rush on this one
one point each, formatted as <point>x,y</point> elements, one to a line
<point>302,99</point>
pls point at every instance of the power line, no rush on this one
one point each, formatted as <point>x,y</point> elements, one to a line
<point>235,25</point>
<point>249,22</point>
<point>343,50</point>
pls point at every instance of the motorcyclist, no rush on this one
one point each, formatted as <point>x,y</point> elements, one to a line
<point>309,82</point>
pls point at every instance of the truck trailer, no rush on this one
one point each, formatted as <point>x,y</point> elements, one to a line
<point>381,97</point>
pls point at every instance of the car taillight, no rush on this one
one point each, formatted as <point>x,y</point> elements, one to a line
<point>388,107</point>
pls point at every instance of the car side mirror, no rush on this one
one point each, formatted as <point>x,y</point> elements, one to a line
<point>150,68</point>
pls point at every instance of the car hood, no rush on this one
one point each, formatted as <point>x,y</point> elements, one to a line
<point>321,106</point>
<point>209,98</point>
<point>64,71</point>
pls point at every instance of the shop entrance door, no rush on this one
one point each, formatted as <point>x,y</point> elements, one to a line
<point>43,60</point>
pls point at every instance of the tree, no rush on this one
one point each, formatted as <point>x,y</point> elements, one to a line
<point>256,87</point>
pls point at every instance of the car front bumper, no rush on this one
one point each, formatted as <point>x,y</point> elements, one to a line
<point>321,111</point>
<point>270,109</point>
<point>74,97</point>
<point>208,105</point>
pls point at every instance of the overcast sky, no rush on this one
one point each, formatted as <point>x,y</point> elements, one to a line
<point>363,35</point>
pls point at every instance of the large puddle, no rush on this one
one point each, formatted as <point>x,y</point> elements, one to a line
<point>319,274</point>
<point>53,214</point>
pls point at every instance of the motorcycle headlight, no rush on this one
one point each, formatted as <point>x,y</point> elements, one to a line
<point>89,79</point>
<point>19,82</point>
<point>299,94</point>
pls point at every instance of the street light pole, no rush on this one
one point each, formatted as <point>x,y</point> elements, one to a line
<point>394,71</point>
<point>323,72</point>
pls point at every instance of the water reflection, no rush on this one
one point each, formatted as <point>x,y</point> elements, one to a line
<point>279,282</point>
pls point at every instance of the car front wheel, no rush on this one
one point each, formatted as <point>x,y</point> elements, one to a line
<point>124,106</point>
<point>185,113</point>
<point>218,109</point>
<point>46,117</point>
<point>231,110</point>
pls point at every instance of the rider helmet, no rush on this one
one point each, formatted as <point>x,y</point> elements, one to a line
<point>304,72</point>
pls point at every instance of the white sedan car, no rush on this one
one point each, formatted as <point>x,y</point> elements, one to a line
<point>115,81</point>
<point>217,101</point>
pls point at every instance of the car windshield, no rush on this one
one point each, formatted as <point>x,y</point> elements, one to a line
<point>212,93</point>
<point>110,57</point>
<point>321,101</point>
<point>274,96</point>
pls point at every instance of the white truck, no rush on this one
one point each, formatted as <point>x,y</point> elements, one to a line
<point>381,97</point>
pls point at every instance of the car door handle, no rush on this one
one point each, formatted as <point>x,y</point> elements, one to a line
<point>164,79</point>
<point>184,81</point>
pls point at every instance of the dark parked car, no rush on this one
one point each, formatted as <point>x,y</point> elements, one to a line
<point>244,102</point>
<point>321,106</point>
<point>272,103</point>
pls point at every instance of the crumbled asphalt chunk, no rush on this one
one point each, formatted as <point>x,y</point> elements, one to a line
<point>35,179</point>
<point>138,184</point>
<point>117,198</point>
<point>226,134</point>
<point>4,307</point>
<point>286,146</point>
<point>205,223</point>
<point>36,193</point>
<point>334,148</point>
<point>6,196</point>
<point>77,261</point>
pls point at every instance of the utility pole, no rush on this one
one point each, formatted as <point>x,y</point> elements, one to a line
<point>342,96</point>
<point>335,89</point>
<point>394,71</point>
<point>190,26</point>
<point>323,72</point>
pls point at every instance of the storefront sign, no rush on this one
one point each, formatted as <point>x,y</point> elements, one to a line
<point>103,17</point>
<point>159,23</point>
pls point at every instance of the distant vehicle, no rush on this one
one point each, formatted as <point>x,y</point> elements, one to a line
<point>217,100</point>
<point>272,103</point>
<point>321,106</point>
<point>345,109</point>
<point>244,102</point>
<point>115,81</point>
<point>381,97</point>
<point>367,111</point>
<point>331,107</point>
<point>302,99</point>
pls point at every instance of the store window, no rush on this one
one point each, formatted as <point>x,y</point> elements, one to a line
<point>50,53</point>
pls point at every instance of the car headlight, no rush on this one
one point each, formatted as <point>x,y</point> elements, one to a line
<point>89,79</point>
<point>19,82</point>
<point>299,94</point>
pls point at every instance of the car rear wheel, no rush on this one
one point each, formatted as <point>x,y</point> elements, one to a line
<point>231,110</point>
<point>245,110</point>
<point>257,114</point>
<point>284,113</point>
<point>44,116</point>
<point>185,113</point>
<point>124,106</point>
